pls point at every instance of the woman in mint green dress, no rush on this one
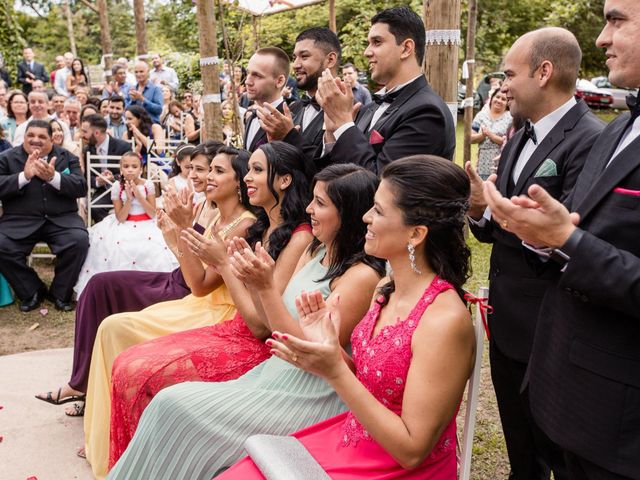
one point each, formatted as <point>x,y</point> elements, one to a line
<point>194,430</point>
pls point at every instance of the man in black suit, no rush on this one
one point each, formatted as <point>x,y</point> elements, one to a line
<point>39,185</point>
<point>30,70</point>
<point>584,371</point>
<point>267,73</point>
<point>541,69</point>
<point>98,142</point>
<point>316,50</point>
<point>407,118</point>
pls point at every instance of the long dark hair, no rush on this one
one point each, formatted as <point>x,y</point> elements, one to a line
<point>240,165</point>
<point>351,190</point>
<point>284,159</point>
<point>145,120</point>
<point>434,192</point>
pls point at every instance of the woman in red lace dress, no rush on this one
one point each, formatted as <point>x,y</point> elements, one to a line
<point>412,352</point>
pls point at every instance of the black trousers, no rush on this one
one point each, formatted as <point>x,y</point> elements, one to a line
<point>532,455</point>
<point>70,246</point>
<point>581,469</point>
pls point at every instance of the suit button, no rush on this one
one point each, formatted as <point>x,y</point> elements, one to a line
<point>576,294</point>
<point>584,298</point>
<point>568,290</point>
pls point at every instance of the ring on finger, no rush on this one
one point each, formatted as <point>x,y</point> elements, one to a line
<point>294,357</point>
<point>504,224</point>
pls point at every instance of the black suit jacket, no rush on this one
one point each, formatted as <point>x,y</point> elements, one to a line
<point>585,363</point>
<point>116,147</point>
<point>38,72</point>
<point>26,209</point>
<point>309,140</point>
<point>518,279</point>
<point>417,122</point>
<point>261,136</point>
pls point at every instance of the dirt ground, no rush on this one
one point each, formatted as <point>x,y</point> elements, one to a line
<point>37,330</point>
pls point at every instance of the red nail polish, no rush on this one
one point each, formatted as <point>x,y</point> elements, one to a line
<point>285,337</point>
<point>275,335</point>
<point>269,342</point>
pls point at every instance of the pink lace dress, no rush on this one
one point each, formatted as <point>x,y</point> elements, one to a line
<point>340,444</point>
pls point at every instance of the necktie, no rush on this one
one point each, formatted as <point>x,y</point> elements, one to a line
<point>307,100</point>
<point>386,97</point>
<point>529,132</point>
<point>634,106</point>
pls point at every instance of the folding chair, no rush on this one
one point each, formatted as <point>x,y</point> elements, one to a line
<point>95,165</point>
<point>158,163</point>
<point>40,250</point>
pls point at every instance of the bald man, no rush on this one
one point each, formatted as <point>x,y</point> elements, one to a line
<point>145,93</point>
<point>541,69</point>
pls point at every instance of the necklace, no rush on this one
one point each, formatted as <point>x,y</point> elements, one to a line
<point>230,226</point>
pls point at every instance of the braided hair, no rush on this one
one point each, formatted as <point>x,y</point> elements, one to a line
<point>434,192</point>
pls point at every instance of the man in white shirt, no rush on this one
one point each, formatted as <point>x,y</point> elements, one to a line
<point>62,74</point>
<point>131,78</point>
<point>71,115</point>
<point>38,105</point>
<point>162,73</point>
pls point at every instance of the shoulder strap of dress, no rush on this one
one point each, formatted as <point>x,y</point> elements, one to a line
<point>436,287</point>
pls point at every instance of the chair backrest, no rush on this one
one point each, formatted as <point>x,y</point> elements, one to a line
<point>94,167</point>
<point>160,155</point>
<point>473,391</point>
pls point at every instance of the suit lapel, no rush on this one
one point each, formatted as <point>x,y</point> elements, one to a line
<point>364,117</point>
<point>620,167</point>
<point>314,126</point>
<point>539,155</point>
<point>298,115</point>
<point>517,139</point>
<point>407,92</point>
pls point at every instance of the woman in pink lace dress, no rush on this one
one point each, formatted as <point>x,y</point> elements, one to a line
<point>412,352</point>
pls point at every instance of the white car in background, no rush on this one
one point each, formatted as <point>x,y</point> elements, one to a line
<point>619,94</point>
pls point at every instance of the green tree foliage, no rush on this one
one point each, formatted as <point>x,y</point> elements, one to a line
<point>11,40</point>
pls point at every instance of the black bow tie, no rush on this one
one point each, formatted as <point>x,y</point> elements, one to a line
<point>530,132</point>
<point>386,97</point>
<point>307,100</point>
<point>634,106</point>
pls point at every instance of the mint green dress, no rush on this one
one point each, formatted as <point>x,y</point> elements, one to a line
<point>194,430</point>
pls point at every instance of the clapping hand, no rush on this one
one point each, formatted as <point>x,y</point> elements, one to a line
<point>168,229</point>
<point>274,123</point>
<point>179,207</point>
<point>320,353</point>
<point>336,100</point>
<point>477,203</point>
<point>253,268</point>
<point>211,251</point>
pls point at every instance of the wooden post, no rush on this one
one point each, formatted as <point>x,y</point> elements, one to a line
<point>72,37</point>
<point>141,29</point>
<point>105,38</point>
<point>209,71</point>
<point>332,16</point>
<point>442,22</point>
<point>256,35</point>
<point>471,48</point>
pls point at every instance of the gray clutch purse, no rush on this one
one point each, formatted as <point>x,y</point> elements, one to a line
<point>283,458</point>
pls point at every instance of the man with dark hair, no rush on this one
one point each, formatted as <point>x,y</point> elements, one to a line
<point>541,69</point>
<point>30,70</point>
<point>119,85</point>
<point>98,142</point>
<point>316,50</point>
<point>115,120</point>
<point>584,369</point>
<point>39,186</point>
<point>267,74</point>
<point>407,118</point>
<point>361,93</point>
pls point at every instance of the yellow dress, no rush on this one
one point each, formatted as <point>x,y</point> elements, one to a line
<point>123,330</point>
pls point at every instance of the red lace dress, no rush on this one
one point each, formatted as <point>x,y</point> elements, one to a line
<point>340,444</point>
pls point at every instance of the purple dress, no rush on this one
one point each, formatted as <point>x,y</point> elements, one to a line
<point>109,293</point>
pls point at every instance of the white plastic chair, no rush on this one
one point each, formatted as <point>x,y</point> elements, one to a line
<point>95,165</point>
<point>473,391</point>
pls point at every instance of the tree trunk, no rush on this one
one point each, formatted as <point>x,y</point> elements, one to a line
<point>209,71</point>
<point>105,38</point>
<point>442,22</point>
<point>471,48</point>
<point>141,29</point>
<point>256,34</point>
<point>332,16</point>
<point>72,37</point>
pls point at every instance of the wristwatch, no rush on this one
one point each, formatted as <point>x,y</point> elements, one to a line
<point>563,254</point>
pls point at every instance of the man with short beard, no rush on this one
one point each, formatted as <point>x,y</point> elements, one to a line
<point>39,185</point>
<point>316,50</point>
<point>115,120</point>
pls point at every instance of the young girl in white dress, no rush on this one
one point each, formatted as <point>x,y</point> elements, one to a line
<point>128,239</point>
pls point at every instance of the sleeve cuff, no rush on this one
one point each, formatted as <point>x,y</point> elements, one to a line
<point>55,181</point>
<point>343,128</point>
<point>22,180</point>
<point>571,245</point>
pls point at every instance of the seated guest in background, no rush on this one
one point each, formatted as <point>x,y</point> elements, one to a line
<point>77,76</point>
<point>180,169</point>
<point>38,105</point>
<point>98,142</point>
<point>131,78</point>
<point>58,139</point>
<point>88,109</point>
<point>316,50</point>
<point>61,75</point>
<point>141,128</point>
<point>57,106</point>
<point>180,125</point>
<point>145,93</point>
<point>71,115</point>
<point>115,121</point>
<point>119,85</point>
<point>38,86</point>
<point>128,239</point>
<point>361,93</point>
<point>232,125</point>
<point>110,292</point>
<point>167,97</point>
<point>267,74</point>
<point>39,185</point>
<point>82,95</point>
<point>103,107</point>
<point>17,113</point>
<point>4,144</point>
<point>333,263</point>
<point>401,422</point>
<point>407,118</point>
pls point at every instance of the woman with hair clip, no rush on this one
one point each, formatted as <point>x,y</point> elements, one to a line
<point>281,221</point>
<point>412,352</point>
<point>205,424</point>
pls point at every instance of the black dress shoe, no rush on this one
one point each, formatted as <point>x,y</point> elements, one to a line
<point>62,305</point>
<point>33,302</point>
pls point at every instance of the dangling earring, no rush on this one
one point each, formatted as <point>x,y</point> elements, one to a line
<point>412,258</point>
<point>239,194</point>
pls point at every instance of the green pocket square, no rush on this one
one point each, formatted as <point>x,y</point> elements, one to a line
<point>547,169</point>
<point>66,171</point>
